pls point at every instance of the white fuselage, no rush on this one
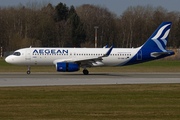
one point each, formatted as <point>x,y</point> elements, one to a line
<point>47,56</point>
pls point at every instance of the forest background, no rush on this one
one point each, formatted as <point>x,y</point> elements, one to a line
<point>45,25</point>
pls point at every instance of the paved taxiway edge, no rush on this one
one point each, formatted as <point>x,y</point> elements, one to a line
<point>52,79</point>
<point>11,82</point>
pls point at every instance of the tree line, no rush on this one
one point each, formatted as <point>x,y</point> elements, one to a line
<point>45,25</point>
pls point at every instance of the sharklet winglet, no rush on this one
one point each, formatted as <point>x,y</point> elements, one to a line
<point>108,52</point>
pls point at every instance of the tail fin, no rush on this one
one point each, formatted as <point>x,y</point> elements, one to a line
<point>158,39</point>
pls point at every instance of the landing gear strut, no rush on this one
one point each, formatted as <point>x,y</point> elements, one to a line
<point>29,72</point>
<point>86,72</point>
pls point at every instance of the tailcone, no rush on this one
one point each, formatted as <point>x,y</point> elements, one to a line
<point>170,52</point>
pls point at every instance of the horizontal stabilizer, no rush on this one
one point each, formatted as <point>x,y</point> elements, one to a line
<point>157,54</point>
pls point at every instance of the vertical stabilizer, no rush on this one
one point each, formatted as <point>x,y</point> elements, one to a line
<point>158,39</point>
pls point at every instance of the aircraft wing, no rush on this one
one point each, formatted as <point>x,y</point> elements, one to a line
<point>85,60</point>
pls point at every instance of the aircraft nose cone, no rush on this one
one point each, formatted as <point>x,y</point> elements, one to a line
<point>7,59</point>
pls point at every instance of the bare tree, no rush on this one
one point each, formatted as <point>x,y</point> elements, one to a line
<point>91,16</point>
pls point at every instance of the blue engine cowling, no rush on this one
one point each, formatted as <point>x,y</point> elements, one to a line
<point>67,67</point>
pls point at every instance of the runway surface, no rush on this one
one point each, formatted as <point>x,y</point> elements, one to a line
<point>49,79</point>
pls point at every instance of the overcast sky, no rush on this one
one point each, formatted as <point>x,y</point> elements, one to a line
<point>115,6</point>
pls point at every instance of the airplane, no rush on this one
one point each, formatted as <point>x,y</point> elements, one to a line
<point>71,59</point>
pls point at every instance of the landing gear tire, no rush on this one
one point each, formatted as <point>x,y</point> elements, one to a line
<point>28,72</point>
<point>86,72</point>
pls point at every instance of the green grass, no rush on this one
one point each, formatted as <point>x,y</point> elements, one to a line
<point>125,102</point>
<point>152,66</point>
<point>160,64</point>
<point>104,102</point>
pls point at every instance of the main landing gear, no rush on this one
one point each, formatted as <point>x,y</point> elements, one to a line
<point>29,72</point>
<point>86,72</point>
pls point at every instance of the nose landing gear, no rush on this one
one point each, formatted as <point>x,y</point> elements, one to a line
<point>29,72</point>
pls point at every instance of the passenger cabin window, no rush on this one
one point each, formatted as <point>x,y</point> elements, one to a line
<point>17,53</point>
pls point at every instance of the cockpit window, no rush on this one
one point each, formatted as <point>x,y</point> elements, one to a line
<point>17,53</point>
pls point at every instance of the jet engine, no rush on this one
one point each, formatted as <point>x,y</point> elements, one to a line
<point>67,67</point>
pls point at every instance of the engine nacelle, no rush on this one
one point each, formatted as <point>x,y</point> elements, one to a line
<point>67,67</point>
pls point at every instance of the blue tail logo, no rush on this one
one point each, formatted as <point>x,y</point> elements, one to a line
<point>154,47</point>
<point>158,39</point>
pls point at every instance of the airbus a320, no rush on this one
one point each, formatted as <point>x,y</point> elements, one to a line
<point>71,59</point>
